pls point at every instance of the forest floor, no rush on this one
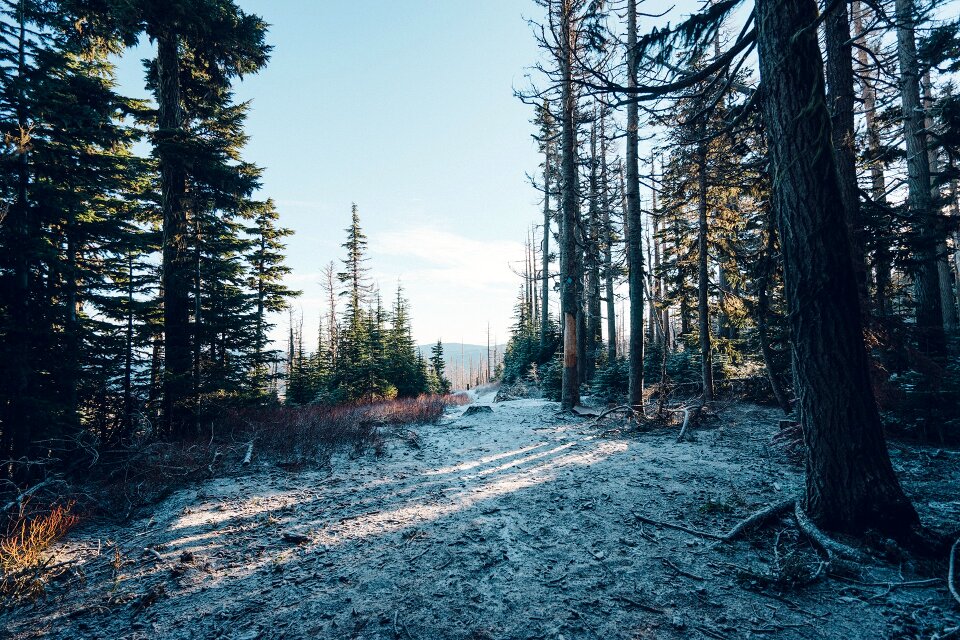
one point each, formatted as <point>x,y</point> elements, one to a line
<point>518,523</point>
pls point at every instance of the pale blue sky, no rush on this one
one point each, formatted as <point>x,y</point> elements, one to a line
<point>405,108</point>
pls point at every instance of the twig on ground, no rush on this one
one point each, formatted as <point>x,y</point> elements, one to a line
<point>247,456</point>
<point>639,605</point>
<point>154,553</point>
<point>952,574</point>
<point>624,407</point>
<point>682,572</point>
<point>678,527</point>
<point>893,585</point>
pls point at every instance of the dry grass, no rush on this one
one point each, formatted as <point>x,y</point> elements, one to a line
<point>289,436</point>
<point>24,566</point>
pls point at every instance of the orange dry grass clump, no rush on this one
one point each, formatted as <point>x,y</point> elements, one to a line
<point>21,550</point>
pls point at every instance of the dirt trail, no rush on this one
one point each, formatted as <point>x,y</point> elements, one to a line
<point>515,524</point>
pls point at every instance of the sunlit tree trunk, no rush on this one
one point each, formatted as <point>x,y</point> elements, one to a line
<point>634,227</point>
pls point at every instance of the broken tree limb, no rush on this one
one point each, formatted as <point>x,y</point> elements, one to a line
<point>18,502</point>
<point>216,458</point>
<point>638,605</point>
<point>246,457</point>
<point>688,413</point>
<point>604,414</point>
<point>822,541</point>
<point>952,573</point>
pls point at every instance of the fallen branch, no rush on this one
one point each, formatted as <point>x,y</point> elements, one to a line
<point>678,527</point>
<point>682,572</point>
<point>890,585</point>
<point>822,541</point>
<point>154,553</point>
<point>18,502</point>
<point>246,458</point>
<point>688,413</point>
<point>952,574</point>
<point>638,605</point>
<point>216,458</point>
<point>623,407</point>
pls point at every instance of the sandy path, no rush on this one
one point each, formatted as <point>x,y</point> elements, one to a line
<point>516,524</point>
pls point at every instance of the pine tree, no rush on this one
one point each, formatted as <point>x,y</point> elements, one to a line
<point>437,366</point>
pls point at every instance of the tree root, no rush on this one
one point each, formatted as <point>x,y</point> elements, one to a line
<point>759,518</point>
<point>749,523</point>
<point>828,545</point>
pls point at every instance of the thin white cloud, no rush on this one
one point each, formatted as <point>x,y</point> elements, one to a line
<point>447,258</point>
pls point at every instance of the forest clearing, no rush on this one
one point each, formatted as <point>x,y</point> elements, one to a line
<point>480,319</point>
<point>520,523</point>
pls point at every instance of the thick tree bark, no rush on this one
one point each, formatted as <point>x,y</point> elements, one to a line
<point>703,277</point>
<point>634,223</point>
<point>570,277</point>
<point>840,100</point>
<point>850,483</point>
<point>929,310</point>
<point>176,282</point>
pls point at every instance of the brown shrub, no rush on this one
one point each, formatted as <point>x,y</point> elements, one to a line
<point>24,569</point>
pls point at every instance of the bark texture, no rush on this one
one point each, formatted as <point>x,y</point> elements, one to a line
<point>850,482</point>
<point>570,278</point>
<point>634,225</point>
<point>177,276</point>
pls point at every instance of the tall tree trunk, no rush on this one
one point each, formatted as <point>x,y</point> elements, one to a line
<point>850,483</point>
<point>634,224</point>
<point>878,189</point>
<point>763,313</point>
<point>128,354</point>
<point>660,284</point>
<point>545,257</point>
<point>840,99</point>
<point>929,311</point>
<point>607,246</point>
<point>703,278</point>
<point>570,277</point>
<point>177,382</point>
<point>19,410</point>
<point>947,302</point>
<point>592,262</point>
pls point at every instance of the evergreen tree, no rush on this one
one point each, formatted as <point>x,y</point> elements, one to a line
<point>437,365</point>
